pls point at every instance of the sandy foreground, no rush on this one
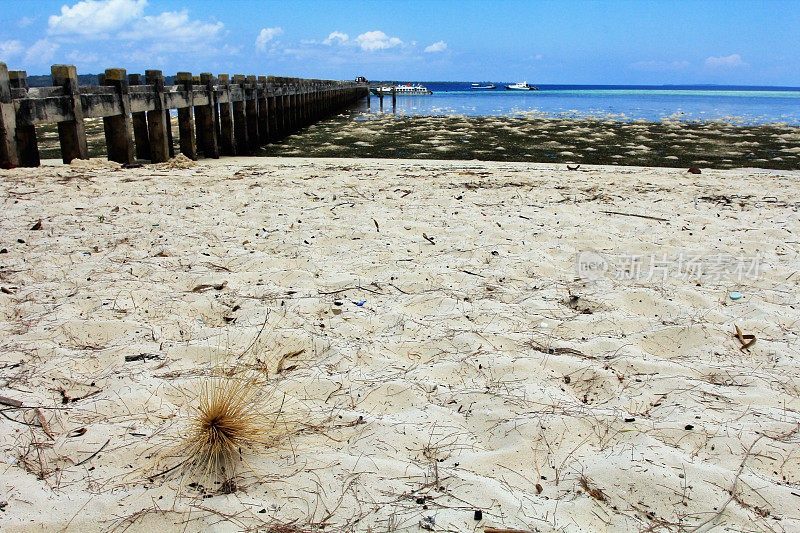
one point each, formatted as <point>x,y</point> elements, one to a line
<point>455,357</point>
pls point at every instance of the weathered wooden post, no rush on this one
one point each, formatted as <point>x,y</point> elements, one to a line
<point>188,140</point>
<point>71,133</point>
<point>139,120</point>
<point>251,109</point>
<point>285,110</point>
<point>280,113</point>
<point>118,128</point>
<point>304,114</point>
<point>394,97</point>
<point>240,116</point>
<point>315,101</point>
<point>226,140</point>
<point>263,111</point>
<point>289,106</point>
<point>297,105</point>
<point>158,124</point>
<point>8,121</point>
<point>272,113</point>
<point>277,115</point>
<point>204,119</point>
<point>27,146</point>
<point>288,110</point>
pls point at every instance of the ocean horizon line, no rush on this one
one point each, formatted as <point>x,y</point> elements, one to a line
<point>605,85</point>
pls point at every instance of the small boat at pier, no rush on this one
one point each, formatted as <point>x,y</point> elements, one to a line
<point>479,86</point>
<point>406,89</point>
<point>523,86</point>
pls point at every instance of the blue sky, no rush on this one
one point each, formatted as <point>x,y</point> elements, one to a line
<point>614,42</point>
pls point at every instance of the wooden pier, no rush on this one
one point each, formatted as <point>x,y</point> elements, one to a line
<point>216,115</point>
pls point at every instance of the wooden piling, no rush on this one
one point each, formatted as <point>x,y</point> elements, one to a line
<point>71,133</point>
<point>205,122</point>
<point>240,117</point>
<point>296,105</point>
<point>283,112</point>
<point>227,145</point>
<point>304,104</point>
<point>272,115</point>
<point>118,128</point>
<point>9,156</point>
<point>288,110</point>
<point>158,123</point>
<point>139,120</point>
<point>188,141</point>
<point>263,111</point>
<point>251,109</point>
<point>27,146</point>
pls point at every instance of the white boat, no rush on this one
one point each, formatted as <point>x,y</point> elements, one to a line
<point>522,86</point>
<point>406,89</point>
<point>479,86</point>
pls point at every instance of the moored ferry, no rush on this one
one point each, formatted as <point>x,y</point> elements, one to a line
<point>406,89</point>
<point>523,86</point>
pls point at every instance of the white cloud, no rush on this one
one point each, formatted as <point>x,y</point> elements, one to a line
<point>438,46</point>
<point>9,49</point>
<point>24,22</point>
<point>336,36</point>
<point>95,18</point>
<point>172,27</point>
<point>41,51</point>
<point>376,40</point>
<point>82,58</point>
<point>657,66</point>
<point>265,36</point>
<point>731,61</point>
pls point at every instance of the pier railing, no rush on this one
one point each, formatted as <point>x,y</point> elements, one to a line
<point>216,115</point>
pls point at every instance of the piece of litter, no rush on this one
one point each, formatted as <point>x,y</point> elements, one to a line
<point>360,304</point>
<point>427,523</point>
<point>736,295</point>
<point>543,324</point>
<point>200,320</point>
<point>746,340</point>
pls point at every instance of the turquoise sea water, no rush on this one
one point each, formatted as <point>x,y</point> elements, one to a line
<point>747,105</point>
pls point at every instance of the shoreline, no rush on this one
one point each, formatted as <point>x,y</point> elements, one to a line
<point>454,359</point>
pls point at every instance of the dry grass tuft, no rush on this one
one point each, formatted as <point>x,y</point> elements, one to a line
<point>233,415</point>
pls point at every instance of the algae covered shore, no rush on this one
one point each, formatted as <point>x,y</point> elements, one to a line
<point>550,139</point>
<point>536,138</point>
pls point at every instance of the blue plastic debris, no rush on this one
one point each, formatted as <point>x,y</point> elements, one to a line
<point>360,304</point>
<point>736,295</point>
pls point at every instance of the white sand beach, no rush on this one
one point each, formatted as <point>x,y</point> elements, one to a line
<point>453,359</point>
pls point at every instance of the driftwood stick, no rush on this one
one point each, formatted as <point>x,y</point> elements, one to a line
<point>634,215</point>
<point>10,402</point>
